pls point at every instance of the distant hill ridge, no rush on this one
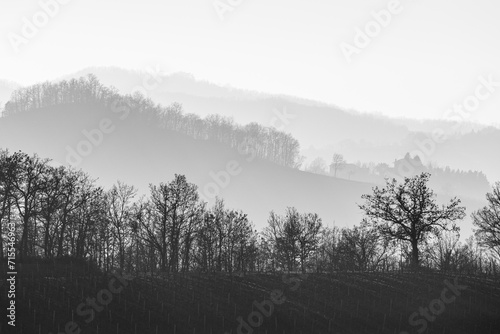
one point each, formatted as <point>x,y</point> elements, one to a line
<point>263,142</point>
<point>321,128</point>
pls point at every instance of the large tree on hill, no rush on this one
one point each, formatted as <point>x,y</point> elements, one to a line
<point>487,221</point>
<point>407,211</point>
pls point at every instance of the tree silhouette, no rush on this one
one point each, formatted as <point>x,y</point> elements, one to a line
<point>487,221</point>
<point>338,163</point>
<point>294,237</point>
<point>408,211</point>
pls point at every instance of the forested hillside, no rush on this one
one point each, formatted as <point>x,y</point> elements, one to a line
<point>265,142</point>
<point>163,196</point>
<point>142,148</point>
<point>61,211</point>
<point>321,128</point>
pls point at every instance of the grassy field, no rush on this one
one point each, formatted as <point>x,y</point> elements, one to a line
<point>68,296</point>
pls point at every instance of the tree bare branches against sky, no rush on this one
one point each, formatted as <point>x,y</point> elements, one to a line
<point>416,64</point>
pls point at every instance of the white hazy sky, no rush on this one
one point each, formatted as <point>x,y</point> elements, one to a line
<point>427,59</point>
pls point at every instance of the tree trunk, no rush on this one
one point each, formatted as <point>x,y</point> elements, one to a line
<point>24,238</point>
<point>62,232</point>
<point>414,254</point>
<point>46,239</point>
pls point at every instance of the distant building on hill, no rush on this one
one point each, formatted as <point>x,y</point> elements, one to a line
<point>409,166</point>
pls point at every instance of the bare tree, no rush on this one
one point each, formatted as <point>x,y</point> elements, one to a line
<point>51,198</point>
<point>444,251</point>
<point>191,228</point>
<point>282,234</point>
<point>119,206</point>
<point>27,184</point>
<point>174,205</point>
<point>338,163</point>
<point>206,243</point>
<point>294,237</point>
<point>487,221</point>
<point>310,227</point>
<point>363,248</point>
<point>328,254</point>
<point>73,197</point>
<point>408,211</point>
<point>7,169</point>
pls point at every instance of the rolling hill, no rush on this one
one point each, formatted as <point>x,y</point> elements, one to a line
<point>138,152</point>
<point>321,128</point>
<point>55,293</point>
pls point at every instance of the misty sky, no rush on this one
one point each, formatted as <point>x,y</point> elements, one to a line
<point>426,59</point>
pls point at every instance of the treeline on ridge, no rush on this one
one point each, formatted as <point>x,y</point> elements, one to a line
<point>49,212</point>
<point>263,142</point>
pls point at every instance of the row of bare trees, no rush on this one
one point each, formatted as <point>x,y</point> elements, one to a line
<point>75,91</point>
<point>259,141</point>
<point>59,211</point>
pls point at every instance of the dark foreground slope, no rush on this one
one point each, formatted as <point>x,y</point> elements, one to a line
<point>52,294</point>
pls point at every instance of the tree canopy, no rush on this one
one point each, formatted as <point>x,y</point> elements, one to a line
<point>408,211</point>
<point>487,221</point>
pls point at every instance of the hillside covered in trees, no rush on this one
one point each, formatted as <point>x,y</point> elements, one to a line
<point>322,129</point>
<point>164,141</point>
<point>172,253</point>
<point>154,198</point>
<point>266,143</point>
<point>140,150</point>
<point>61,211</point>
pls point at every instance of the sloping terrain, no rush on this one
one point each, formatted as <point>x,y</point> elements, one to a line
<point>55,293</point>
<point>322,129</point>
<point>138,153</point>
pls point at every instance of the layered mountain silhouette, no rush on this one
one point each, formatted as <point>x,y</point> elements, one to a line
<point>138,153</point>
<point>321,128</point>
<point>135,149</point>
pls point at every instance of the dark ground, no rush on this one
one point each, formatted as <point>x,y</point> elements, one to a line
<point>51,294</point>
